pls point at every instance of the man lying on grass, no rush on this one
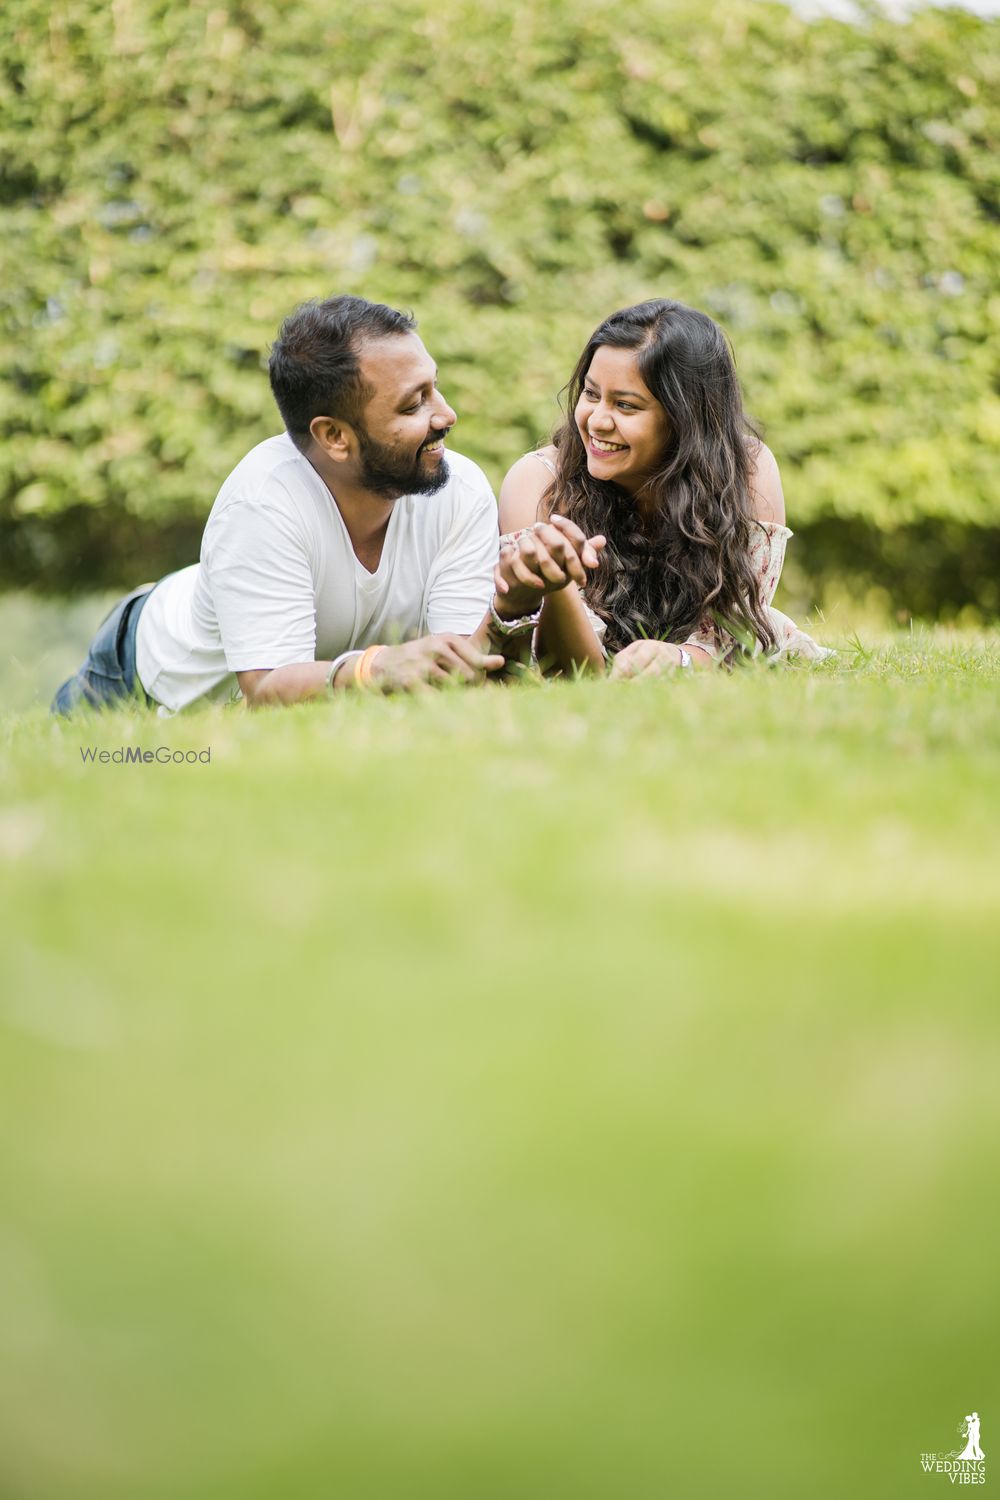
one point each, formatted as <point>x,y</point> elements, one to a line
<point>350,552</point>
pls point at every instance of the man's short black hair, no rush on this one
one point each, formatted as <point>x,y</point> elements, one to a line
<point>315,368</point>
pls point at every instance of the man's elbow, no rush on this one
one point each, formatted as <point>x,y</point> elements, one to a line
<point>253,686</point>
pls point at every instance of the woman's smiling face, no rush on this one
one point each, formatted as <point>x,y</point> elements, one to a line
<point>624,428</point>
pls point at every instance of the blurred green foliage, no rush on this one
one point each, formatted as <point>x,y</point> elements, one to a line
<point>174,178</point>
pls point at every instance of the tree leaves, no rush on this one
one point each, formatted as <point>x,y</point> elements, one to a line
<point>175,178</point>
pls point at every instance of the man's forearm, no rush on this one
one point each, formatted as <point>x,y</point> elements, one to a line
<point>292,684</point>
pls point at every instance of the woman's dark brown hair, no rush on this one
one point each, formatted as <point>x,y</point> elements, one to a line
<point>685,556</point>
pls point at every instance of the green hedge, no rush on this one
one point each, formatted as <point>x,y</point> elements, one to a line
<point>173,178</point>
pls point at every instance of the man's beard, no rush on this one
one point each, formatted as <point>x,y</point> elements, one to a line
<point>389,474</point>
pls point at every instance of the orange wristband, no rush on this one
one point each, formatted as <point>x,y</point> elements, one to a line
<point>363,666</point>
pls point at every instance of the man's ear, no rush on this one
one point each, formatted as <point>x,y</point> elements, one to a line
<point>335,437</point>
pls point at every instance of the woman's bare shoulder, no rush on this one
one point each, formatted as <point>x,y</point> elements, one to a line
<point>524,485</point>
<point>765,484</point>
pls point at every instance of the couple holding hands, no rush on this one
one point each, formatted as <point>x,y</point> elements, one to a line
<point>356,551</point>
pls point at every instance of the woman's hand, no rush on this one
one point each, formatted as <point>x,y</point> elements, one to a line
<point>545,559</point>
<point>646,659</point>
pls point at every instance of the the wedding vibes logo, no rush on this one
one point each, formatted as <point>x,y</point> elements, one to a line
<point>965,1466</point>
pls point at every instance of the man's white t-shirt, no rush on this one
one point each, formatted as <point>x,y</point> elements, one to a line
<point>279,583</point>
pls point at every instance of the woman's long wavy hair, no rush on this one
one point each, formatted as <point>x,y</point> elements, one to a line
<point>684,556</point>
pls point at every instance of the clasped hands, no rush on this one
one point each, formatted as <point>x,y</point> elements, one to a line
<point>546,559</point>
<point>543,560</point>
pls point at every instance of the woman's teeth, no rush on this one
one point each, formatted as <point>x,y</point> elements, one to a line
<point>603,447</point>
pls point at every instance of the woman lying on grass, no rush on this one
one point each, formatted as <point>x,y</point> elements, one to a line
<point>657,464</point>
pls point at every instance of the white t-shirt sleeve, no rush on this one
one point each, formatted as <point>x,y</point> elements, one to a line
<point>256,556</point>
<point>461,583</point>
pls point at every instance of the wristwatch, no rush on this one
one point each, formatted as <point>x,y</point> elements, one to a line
<point>519,626</point>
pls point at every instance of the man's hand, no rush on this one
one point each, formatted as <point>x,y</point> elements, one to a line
<point>551,555</point>
<point>646,659</point>
<point>431,659</point>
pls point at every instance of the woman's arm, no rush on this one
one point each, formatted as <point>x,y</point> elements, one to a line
<point>567,641</point>
<point>566,638</point>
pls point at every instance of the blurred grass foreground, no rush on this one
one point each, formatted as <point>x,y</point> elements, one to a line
<point>581,1091</point>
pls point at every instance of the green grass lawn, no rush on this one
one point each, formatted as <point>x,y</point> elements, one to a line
<point>586,1090</point>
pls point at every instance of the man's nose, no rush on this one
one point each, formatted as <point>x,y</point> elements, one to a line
<point>444,416</point>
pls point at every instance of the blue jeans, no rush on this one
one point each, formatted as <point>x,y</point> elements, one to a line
<point>108,676</point>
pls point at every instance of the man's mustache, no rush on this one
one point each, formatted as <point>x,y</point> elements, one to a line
<point>437,438</point>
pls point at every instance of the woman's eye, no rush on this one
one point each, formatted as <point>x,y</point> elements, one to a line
<point>590,395</point>
<point>625,406</point>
